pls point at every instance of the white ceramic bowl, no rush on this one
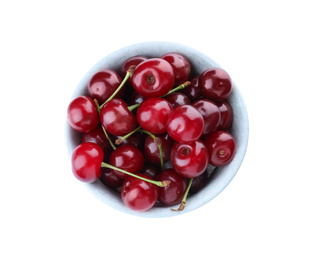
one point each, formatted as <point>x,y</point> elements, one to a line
<point>240,127</point>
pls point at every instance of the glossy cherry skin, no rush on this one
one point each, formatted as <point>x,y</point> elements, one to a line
<point>103,84</point>
<point>153,78</point>
<point>185,124</point>
<point>151,149</point>
<point>226,112</point>
<point>97,136</point>
<point>199,182</point>
<point>137,139</point>
<point>180,64</point>
<point>131,61</point>
<point>211,114</point>
<point>110,179</point>
<point>221,148</point>
<point>151,170</point>
<point>82,114</point>
<point>177,99</point>
<point>127,157</point>
<point>116,118</point>
<point>215,84</point>
<point>191,159</point>
<point>139,195</point>
<point>86,162</point>
<point>152,114</point>
<point>174,192</point>
<point>192,91</point>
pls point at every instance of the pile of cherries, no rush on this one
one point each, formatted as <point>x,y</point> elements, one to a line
<point>152,130</point>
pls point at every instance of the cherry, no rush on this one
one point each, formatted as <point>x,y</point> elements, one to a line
<point>151,149</point>
<point>97,136</point>
<point>226,115</point>
<point>82,114</point>
<point>180,64</point>
<point>137,139</point>
<point>86,162</point>
<point>174,192</point>
<point>210,113</point>
<point>135,60</point>
<point>151,170</point>
<point>153,113</point>
<point>103,84</point>
<point>221,148</point>
<point>153,78</point>
<point>192,91</point>
<point>215,84</point>
<point>199,182</point>
<point>177,99</point>
<point>190,159</point>
<point>185,124</point>
<point>116,118</point>
<point>127,157</point>
<point>139,195</point>
<point>110,179</point>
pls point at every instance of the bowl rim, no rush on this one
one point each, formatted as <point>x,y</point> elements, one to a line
<point>220,181</point>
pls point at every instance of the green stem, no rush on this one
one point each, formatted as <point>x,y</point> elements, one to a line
<point>133,106</point>
<point>187,83</point>
<point>158,142</point>
<point>158,183</point>
<point>184,199</point>
<point>107,137</point>
<point>121,139</point>
<point>129,73</point>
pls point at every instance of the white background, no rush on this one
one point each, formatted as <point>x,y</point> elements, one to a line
<point>47,47</point>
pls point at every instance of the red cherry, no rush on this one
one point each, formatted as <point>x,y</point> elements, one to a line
<point>131,61</point>
<point>177,99</point>
<point>153,78</point>
<point>221,148</point>
<point>103,84</point>
<point>226,115</point>
<point>185,124</point>
<point>82,114</point>
<point>181,66</point>
<point>127,157</point>
<point>116,118</point>
<point>97,136</point>
<point>190,159</point>
<point>210,113</point>
<point>215,84</point>
<point>153,113</point>
<point>174,192</point>
<point>110,179</point>
<point>86,162</point>
<point>193,91</point>
<point>139,195</point>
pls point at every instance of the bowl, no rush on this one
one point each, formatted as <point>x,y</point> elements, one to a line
<point>239,129</point>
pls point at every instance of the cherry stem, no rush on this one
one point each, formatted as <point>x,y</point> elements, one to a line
<point>184,199</point>
<point>133,106</point>
<point>181,86</point>
<point>158,142</point>
<point>158,183</point>
<point>129,73</point>
<point>107,137</point>
<point>121,139</point>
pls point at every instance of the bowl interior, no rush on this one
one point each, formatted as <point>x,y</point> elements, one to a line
<point>240,127</point>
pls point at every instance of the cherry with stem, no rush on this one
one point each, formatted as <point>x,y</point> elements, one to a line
<point>184,199</point>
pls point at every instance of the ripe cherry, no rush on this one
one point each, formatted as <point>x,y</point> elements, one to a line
<point>97,136</point>
<point>110,179</point>
<point>177,99</point>
<point>173,193</point>
<point>116,118</point>
<point>226,115</point>
<point>221,148</point>
<point>86,162</point>
<point>127,157</point>
<point>135,60</point>
<point>139,195</point>
<point>190,159</point>
<point>185,124</point>
<point>180,64</point>
<point>153,78</point>
<point>210,113</point>
<point>152,114</point>
<point>82,114</point>
<point>215,84</point>
<point>192,91</point>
